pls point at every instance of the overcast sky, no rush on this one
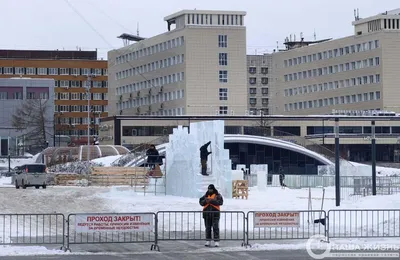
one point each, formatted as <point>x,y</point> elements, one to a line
<point>53,24</point>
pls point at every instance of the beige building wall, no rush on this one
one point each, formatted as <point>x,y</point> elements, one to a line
<point>205,92</point>
<point>358,72</point>
<point>178,72</point>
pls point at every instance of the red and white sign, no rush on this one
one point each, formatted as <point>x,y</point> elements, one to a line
<point>270,219</point>
<point>114,223</point>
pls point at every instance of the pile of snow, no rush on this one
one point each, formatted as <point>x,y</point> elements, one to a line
<point>108,160</point>
<point>27,250</point>
<point>123,160</point>
<point>381,171</point>
<point>75,167</point>
<point>5,181</point>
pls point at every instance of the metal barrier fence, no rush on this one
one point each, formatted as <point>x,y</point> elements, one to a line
<point>134,228</point>
<point>101,228</point>
<point>363,223</point>
<point>190,225</point>
<point>282,225</point>
<point>32,229</point>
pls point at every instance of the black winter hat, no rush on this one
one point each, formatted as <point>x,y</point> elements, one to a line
<point>211,186</point>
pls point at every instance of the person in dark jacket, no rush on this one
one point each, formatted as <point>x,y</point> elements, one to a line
<point>211,202</point>
<point>282,177</point>
<point>204,153</point>
<point>152,156</point>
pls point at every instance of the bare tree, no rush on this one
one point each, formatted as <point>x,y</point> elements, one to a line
<point>263,124</point>
<point>34,119</point>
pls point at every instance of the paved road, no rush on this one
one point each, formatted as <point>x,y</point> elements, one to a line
<point>247,255</point>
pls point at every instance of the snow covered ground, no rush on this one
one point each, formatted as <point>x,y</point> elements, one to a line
<point>67,200</point>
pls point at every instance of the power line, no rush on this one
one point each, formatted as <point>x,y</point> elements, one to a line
<point>101,36</point>
<point>95,6</point>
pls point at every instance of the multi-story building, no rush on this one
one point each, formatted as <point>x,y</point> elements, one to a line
<point>70,70</point>
<point>198,67</point>
<point>358,72</point>
<point>14,95</point>
<point>258,80</point>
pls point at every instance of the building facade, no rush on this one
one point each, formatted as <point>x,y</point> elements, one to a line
<point>14,93</point>
<point>358,72</point>
<point>258,80</point>
<point>70,70</point>
<point>199,67</point>
<point>316,134</point>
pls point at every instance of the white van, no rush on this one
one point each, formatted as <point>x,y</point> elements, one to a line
<point>31,175</point>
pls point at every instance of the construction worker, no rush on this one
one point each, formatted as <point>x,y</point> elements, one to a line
<point>211,202</point>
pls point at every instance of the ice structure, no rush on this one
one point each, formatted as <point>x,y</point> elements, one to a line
<point>261,170</point>
<point>183,165</point>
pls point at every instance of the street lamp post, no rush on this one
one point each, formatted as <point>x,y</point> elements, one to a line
<point>337,163</point>
<point>88,86</point>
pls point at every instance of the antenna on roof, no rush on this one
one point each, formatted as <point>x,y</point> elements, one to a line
<point>137,29</point>
<point>315,35</point>
<point>301,36</point>
<point>277,45</point>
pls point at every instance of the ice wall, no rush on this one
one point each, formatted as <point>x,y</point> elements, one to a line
<point>183,165</point>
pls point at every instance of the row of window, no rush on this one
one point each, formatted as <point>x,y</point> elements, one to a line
<point>253,70</point>
<point>159,98</point>
<point>19,95</point>
<point>147,51</point>
<point>263,81</point>
<point>80,84</point>
<point>77,108</point>
<point>52,71</point>
<point>207,19</point>
<point>80,96</point>
<point>76,120</point>
<point>253,91</point>
<point>348,99</point>
<point>329,54</point>
<point>161,81</point>
<point>349,66</point>
<point>264,101</point>
<point>155,65</point>
<point>179,111</point>
<point>363,80</point>
<point>316,130</point>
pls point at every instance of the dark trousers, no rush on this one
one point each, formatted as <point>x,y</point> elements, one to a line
<point>212,223</point>
<point>203,167</point>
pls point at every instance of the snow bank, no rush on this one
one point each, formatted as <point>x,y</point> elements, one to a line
<point>108,160</point>
<point>5,181</point>
<point>381,171</point>
<point>28,250</point>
